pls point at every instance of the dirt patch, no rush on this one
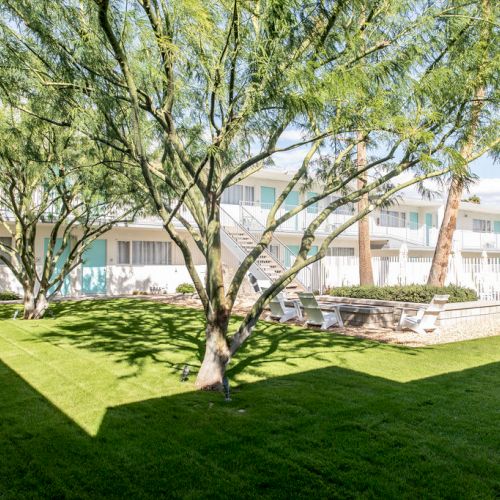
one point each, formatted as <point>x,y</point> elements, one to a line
<point>241,306</point>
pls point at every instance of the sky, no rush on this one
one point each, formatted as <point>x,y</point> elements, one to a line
<point>488,185</point>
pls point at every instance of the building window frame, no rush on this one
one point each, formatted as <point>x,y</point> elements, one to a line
<point>340,252</point>
<point>482,226</point>
<point>124,250</point>
<point>145,253</point>
<point>392,218</point>
<point>239,194</point>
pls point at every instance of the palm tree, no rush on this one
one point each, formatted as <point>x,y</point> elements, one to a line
<point>365,254</point>
<point>485,66</point>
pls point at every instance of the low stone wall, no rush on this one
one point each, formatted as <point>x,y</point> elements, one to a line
<point>481,313</point>
<point>357,315</point>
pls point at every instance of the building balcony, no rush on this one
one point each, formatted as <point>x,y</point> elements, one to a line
<point>466,239</point>
<point>253,217</point>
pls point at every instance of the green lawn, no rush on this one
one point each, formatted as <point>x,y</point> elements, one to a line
<point>91,406</point>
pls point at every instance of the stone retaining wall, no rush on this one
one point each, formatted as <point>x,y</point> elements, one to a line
<point>455,314</point>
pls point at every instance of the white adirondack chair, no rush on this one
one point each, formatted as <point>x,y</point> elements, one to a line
<point>425,319</point>
<point>258,285</point>
<point>315,316</point>
<point>282,312</point>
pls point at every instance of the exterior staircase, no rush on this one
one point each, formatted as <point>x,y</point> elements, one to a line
<point>267,265</point>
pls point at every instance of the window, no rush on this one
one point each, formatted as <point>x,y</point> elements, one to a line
<point>274,250</point>
<point>124,252</point>
<point>6,240</point>
<point>340,252</point>
<point>481,226</point>
<point>347,209</point>
<point>234,195</point>
<point>392,218</point>
<point>249,195</point>
<point>151,253</point>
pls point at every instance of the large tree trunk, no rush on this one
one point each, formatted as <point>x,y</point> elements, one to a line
<point>217,353</point>
<point>439,266</point>
<point>217,356</point>
<point>440,260</point>
<point>365,253</point>
<point>35,305</point>
<point>28,303</point>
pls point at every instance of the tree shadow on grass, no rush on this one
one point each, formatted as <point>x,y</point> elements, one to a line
<point>7,311</point>
<point>129,331</point>
<point>328,433</point>
<point>133,332</point>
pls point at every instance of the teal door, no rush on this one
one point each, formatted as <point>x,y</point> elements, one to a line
<point>291,251</point>
<point>267,197</point>
<point>94,268</point>
<point>292,200</point>
<point>414,220</point>
<point>312,209</point>
<point>428,226</point>
<point>61,260</point>
<point>496,226</point>
<point>313,251</point>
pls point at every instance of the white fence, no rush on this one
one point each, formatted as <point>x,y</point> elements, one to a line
<point>482,274</point>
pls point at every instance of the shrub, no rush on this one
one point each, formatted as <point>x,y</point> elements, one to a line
<point>8,295</point>
<point>185,288</point>
<point>407,293</point>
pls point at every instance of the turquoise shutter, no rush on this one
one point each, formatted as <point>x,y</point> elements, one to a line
<point>94,268</point>
<point>267,197</point>
<point>413,220</point>
<point>312,209</point>
<point>64,290</point>
<point>313,251</point>
<point>292,200</point>
<point>291,251</point>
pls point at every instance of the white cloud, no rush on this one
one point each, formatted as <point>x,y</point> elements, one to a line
<point>292,135</point>
<point>290,160</point>
<point>488,190</point>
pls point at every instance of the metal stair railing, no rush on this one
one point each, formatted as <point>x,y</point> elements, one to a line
<point>225,218</point>
<point>306,279</point>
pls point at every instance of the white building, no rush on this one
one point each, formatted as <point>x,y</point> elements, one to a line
<point>140,255</point>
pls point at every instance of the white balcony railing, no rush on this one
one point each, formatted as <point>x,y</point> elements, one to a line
<point>467,239</point>
<point>397,228</point>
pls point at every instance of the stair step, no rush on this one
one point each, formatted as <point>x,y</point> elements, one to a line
<point>266,262</point>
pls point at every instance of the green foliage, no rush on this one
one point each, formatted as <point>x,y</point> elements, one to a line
<point>185,288</point>
<point>201,93</point>
<point>407,293</point>
<point>473,199</point>
<point>56,175</point>
<point>8,295</point>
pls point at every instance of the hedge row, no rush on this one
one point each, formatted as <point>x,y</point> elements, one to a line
<point>8,295</point>
<point>408,293</point>
<point>185,288</point>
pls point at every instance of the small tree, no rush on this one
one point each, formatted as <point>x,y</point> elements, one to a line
<point>49,174</point>
<point>219,84</point>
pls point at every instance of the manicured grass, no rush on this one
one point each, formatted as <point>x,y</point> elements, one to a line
<point>91,406</point>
